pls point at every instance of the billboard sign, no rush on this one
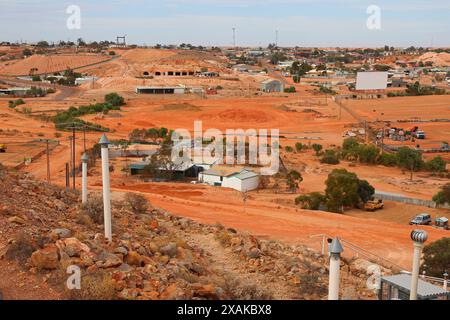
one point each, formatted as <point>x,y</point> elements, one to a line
<point>371,81</point>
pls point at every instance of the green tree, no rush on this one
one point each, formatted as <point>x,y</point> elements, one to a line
<point>368,153</point>
<point>344,189</point>
<point>294,178</point>
<point>329,157</point>
<point>300,146</point>
<point>365,190</point>
<point>409,159</point>
<point>436,256</point>
<point>443,196</point>
<point>27,52</point>
<point>388,159</point>
<point>317,148</point>
<point>114,99</point>
<point>311,201</point>
<point>437,164</point>
<point>288,149</point>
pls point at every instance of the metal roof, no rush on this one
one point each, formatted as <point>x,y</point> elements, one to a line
<point>424,289</point>
<point>245,174</point>
<point>336,246</point>
<point>104,140</point>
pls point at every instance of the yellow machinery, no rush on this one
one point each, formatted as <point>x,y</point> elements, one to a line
<point>2,148</point>
<point>373,205</point>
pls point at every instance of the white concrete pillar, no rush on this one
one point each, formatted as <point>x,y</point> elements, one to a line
<point>445,281</point>
<point>335,268</point>
<point>106,187</point>
<point>84,192</point>
<point>419,237</point>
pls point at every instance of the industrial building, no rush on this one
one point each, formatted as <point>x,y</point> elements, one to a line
<point>14,91</point>
<point>272,85</point>
<point>161,90</point>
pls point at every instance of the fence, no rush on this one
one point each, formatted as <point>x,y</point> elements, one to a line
<point>400,198</point>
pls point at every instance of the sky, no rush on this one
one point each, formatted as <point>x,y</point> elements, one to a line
<point>315,23</point>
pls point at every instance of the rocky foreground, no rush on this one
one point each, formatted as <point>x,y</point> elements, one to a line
<point>154,255</point>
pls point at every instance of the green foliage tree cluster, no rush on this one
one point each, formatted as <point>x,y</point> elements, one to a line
<point>443,196</point>
<point>436,256</point>
<point>311,201</point>
<point>343,190</point>
<point>329,157</point>
<point>114,99</point>
<point>294,178</point>
<point>300,147</point>
<point>291,89</point>
<point>405,158</point>
<point>71,115</point>
<point>143,135</point>
<point>13,104</point>
<point>317,148</point>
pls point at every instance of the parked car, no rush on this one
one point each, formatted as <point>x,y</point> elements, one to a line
<point>441,223</point>
<point>421,219</point>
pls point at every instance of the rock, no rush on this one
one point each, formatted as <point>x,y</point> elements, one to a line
<point>170,250</point>
<point>124,267</point>
<point>121,250</point>
<point>134,259</point>
<point>350,293</point>
<point>72,246</point>
<point>62,233</point>
<point>46,258</point>
<point>236,241</point>
<point>108,260</point>
<point>16,220</point>
<point>207,291</point>
<point>172,292</point>
<point>154,225</point>
<point>254,253</point>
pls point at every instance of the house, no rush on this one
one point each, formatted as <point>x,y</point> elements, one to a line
<point>237,178</point>
<point>272,85</point>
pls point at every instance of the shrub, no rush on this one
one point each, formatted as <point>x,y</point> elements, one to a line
<point>26,110</point>
<point>293,180</point>
<point>289,149</point>
<point>310,285</point>
<point>94,209</point>
<point>114,99</point>
<point>437,164</point>
<point>300,146</point>
<point>443,196</point>
<point>95,286</point>
<point>22,248</point>
<point>311,201</point>
<point>330,157</point>
<point>137,203</point>
<point>368,153</point>
<point>317,148</point>
<point>436,256</point>
<point>388,159</point>
<point>244,289</point>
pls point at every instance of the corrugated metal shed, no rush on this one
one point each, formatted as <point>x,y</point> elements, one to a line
<point>425,290</point>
